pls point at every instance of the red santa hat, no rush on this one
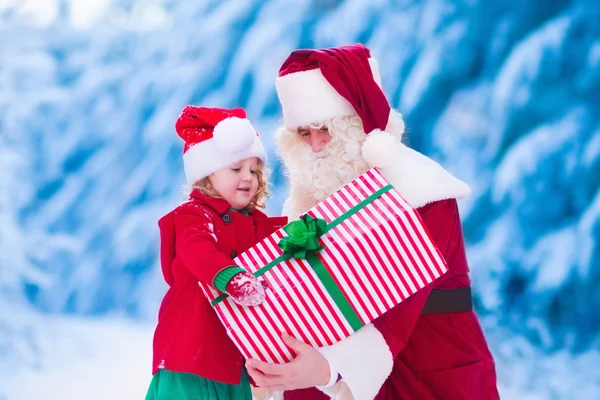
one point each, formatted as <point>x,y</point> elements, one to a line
<point>317,85</point>
<point>215,138</point>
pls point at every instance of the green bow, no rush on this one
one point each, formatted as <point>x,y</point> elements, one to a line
<point>303,236</point>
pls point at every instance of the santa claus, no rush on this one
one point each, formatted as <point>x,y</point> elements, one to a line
<point>338,124</point>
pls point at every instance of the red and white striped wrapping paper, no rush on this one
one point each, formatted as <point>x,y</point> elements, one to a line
<point>378,257</point>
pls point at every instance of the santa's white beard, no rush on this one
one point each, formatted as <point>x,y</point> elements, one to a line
<point>315,176</point>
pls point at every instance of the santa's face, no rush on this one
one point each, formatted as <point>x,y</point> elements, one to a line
<point>321,158</point>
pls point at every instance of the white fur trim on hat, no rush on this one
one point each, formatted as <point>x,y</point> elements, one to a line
<point>234,139</point>
<point>306,97</point>
<point>363,359</point>
<point>420,179</point>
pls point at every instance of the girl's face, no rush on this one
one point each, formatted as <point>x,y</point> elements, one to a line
<point>237,183</point>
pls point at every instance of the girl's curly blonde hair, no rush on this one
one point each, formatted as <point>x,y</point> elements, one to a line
<point>258,201</point>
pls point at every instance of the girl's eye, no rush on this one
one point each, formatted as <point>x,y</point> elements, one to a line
<point>236,169</point>
<point>253,172</point>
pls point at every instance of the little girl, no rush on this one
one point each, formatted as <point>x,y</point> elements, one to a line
<point>223,159</point>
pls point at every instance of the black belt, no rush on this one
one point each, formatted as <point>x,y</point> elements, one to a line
<point>448,301</point>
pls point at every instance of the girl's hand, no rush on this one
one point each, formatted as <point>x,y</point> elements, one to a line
<point>246,290</point>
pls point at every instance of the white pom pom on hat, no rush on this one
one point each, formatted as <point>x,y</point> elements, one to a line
<point>379,149</point>
<point>234,134</point>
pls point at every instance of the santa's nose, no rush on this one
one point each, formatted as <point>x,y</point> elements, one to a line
<point>318,140</point>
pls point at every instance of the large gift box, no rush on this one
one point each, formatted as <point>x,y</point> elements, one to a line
<point>347,261</point>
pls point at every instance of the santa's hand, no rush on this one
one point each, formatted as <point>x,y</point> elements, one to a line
<point>246,290</point>
<point>308,369</point>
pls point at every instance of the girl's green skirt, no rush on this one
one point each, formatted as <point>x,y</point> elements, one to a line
<point>169,385</point>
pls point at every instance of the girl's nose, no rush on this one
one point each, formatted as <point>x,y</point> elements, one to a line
<point>247,175</point>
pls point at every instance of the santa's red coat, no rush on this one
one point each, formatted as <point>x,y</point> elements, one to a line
<point>439,356</point>
<point>198,239</point>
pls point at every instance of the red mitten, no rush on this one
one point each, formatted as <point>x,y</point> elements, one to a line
<point>246,290</point>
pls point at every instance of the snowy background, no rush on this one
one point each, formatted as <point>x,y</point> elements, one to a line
<point>505,93</point>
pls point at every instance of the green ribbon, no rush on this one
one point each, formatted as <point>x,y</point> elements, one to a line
<point>302,242</point>
<point>303,236</point>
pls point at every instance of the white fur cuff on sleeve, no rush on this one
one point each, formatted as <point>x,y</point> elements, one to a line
<point>363,360</point>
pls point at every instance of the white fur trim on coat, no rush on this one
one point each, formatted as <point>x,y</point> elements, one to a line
<point>364,360</point>
<point>420,180</point>
<point>306,97</point>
